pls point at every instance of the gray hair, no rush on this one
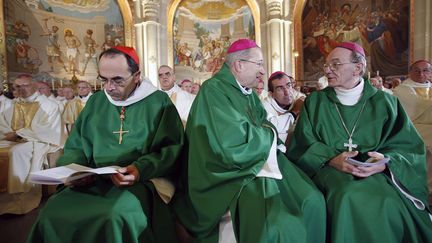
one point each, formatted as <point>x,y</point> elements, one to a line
<point>359,58</point>
<point>232,57</point>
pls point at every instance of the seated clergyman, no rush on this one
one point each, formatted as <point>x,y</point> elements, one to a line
<point>352,119</point>
<point>34,124</point>
<point>130,124</point>
<point>282,109</point>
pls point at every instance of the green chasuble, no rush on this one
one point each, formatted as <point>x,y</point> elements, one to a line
<point>228,141</point>
<point>104,212</point>
<point>368,209</point>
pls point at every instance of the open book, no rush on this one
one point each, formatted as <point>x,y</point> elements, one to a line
<point>368,162</point>
<point>64,174</point>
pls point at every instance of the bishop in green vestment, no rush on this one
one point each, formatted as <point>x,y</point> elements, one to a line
<point>350,118</point>
<point>238,187</point>
<point>130,124</point>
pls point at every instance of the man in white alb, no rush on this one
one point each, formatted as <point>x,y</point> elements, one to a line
<point>74,106</point>
<point>282,109</point>
<point>181,99</point>
<point>36,128</point>
<point>415,94</point>
<point>5,104</point>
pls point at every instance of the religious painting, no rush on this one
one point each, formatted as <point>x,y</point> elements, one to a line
<point>380,26</point>
<point>59,40</point>
<point>202,33</point>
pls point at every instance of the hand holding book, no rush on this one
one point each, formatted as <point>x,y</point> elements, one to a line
<point>369,162</point>
<point>67,174</point>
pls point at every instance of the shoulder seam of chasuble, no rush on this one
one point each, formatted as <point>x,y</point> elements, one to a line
<point>23,114</point>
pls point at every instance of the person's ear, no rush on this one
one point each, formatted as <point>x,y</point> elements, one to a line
<point>270,93</point>
<point>137,77</point>
<point>238,66</point>
<point>358,68</point>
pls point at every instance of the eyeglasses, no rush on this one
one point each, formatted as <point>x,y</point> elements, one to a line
<point>168,74</point>
<point>418,71</point>
<point>116,81</point>
<point>260,63</point>
<point>335,66</point>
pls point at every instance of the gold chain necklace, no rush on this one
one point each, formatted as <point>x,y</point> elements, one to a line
<point>121,131</point>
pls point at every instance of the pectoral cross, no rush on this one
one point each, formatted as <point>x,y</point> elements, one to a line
<point>350,145</point>
<point>120,132</point>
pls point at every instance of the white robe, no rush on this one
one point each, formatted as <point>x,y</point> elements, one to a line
<point>389,91</point>
<point>5,103</point>
<point>42,137</point>
<point>182,100</point>
<point>297,94</point>
<point>59,103</point>
<point>279,117</point>
<point>5,120</point>
<point>264,94</point>
<point>416,98</point>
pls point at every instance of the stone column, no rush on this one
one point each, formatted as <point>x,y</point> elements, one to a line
<point>278,39</point>
<point>3,63</point>
<point>421,46</point>
<point>147,34</point>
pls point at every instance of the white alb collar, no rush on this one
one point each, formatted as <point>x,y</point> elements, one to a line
<point>350,96</point>
<point>245,91</point>
<point>174,89</point>
<point>276,106</point>
<point>31,98</point>
<point>145,89</point>
<point>85,98</point>
<point>412,83</point>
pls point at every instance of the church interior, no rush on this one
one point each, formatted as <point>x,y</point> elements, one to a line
<point>58,42</point>
<point>294,35</point>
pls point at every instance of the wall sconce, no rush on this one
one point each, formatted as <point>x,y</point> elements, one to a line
<point>296,54</point>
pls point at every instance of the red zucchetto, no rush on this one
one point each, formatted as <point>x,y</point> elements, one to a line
<point>128,51</point>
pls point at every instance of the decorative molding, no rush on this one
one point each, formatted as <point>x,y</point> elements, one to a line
<point>153,59</point>
<point>298,41</point>
<point>275,56</point>
<point>3,62</point>
<point>151,10</point>
<point>127,21</point>
<point>274,9</point>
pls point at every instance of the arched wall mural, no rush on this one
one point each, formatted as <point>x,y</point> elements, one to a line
<point>383,28</point>
<point>199,34</point>
<point>57,40</point>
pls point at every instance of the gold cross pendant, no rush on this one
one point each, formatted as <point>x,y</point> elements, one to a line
<point>120,132</point>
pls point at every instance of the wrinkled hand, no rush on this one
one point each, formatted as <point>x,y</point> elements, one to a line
<point>339,162</point>
<point>127,176</point>
<point>371,170</point>
<point>11,136</point>
<point>297,106</point>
